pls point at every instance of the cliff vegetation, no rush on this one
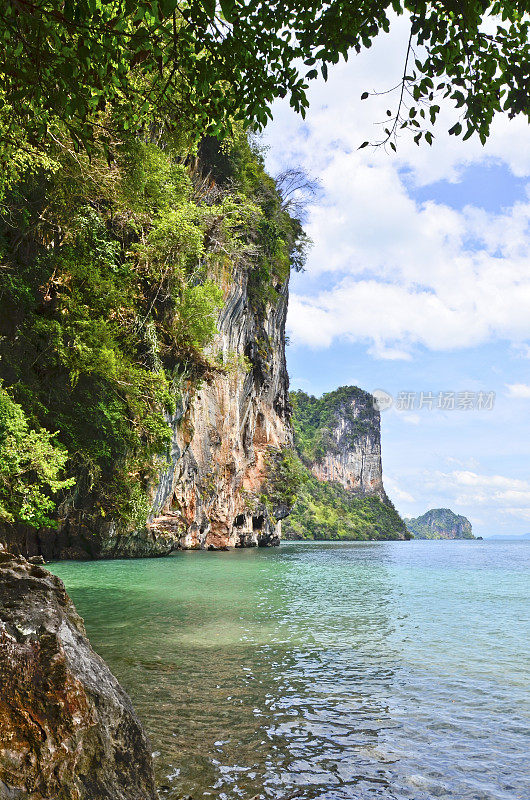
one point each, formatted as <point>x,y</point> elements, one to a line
<point>113,270</point>
<point>341,495</point>
<point>328,511</point>
<point>314,420</point>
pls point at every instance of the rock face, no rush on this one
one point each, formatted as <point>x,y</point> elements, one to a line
<point>210,489</point>
<point>67,728</point>
<point>440,523</point>
<point>338,439</point>
<point>209,492</point>
<point>347,448</point>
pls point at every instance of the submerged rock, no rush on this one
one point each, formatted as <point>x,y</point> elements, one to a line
<point>36,560</point>
<point>67,729</point>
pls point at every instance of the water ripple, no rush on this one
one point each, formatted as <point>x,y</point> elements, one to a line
<point>324,671</point>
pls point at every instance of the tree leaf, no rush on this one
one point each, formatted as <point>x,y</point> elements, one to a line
<point>209,7</point>
<point>227,7</point>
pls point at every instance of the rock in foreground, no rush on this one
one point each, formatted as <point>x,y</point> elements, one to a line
<point>67,729</point>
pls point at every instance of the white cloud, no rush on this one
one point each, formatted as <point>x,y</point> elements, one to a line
<point>468,463</point>
<point>406,274</point>
<point>470,488</point>
<point>395,492</point>
<point>519,390</point>
<point>521,513</point>
<point>396,273</point>
<point>378,350</point>
<point>521,350</point>
<point>410,419</point>
<point>487,500</point>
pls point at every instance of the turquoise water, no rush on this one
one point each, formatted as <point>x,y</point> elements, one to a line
<point>323,670</point>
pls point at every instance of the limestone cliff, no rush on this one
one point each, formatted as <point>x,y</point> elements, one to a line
<point>338,438</point>
<point>440,523</point>
<point>67,729</point>
<point>209,493</point>
<point>224,433</point>
<point>347,447</point>
<point>145,353</point>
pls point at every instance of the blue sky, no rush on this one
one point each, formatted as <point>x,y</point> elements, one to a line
<point>418,281</point>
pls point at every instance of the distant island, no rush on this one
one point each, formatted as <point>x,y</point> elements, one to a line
<point>439,523</point>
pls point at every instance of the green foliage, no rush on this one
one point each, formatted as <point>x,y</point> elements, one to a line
<point>440,523</point>
<point>197,315</point>
<point>275,241</point>
<point>328,511</point>
<point>233,363</point>
<point>65,64</point>
<point>31,464</point>
<point>285,477</point>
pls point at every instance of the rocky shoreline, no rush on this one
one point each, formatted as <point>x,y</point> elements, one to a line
<point>68,730</point>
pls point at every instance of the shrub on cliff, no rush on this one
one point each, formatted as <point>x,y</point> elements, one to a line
<point>285,477</point>
<point>328,511</point>
<point>31,464</point>
<point>314,418</point>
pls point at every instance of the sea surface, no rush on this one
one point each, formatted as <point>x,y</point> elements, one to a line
<point>324,670</point>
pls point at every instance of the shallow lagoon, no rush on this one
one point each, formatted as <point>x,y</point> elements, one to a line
<point>323,670</point>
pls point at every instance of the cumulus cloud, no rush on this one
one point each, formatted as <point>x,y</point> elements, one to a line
<point>471,488</point>
<point>468,463</point>
<point>521,350</point>
<point>392,272</point>
<point>402,274</point>
<point>395,491</point>
<point>519,390</point>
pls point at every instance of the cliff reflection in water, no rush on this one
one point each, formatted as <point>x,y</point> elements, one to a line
<point>319,670</point>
